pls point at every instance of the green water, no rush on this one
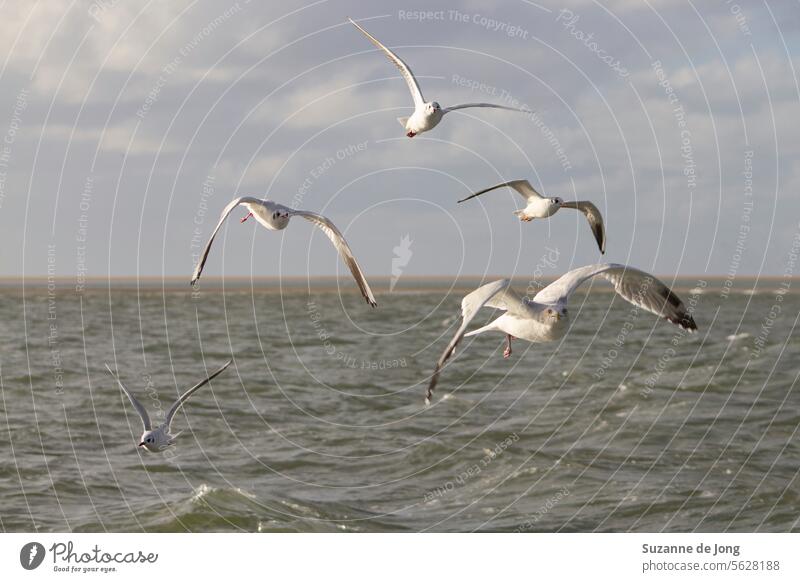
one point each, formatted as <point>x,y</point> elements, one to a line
<point>320,426</point>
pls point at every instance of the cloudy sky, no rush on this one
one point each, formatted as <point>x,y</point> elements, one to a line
<point>127,126</point>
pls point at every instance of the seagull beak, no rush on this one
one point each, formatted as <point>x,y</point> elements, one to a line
<point>141,444</point>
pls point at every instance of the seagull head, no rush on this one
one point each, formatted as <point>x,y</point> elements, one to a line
<point>432,107</point>
<point>153,441</point>
<point>280,219</point>
<point>553,315</point>
<point>556,201</point>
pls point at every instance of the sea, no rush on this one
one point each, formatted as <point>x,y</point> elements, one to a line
<point>319,425</point>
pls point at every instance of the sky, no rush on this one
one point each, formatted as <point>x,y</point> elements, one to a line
<point>126,127</point>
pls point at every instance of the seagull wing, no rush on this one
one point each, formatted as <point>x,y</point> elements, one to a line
<point>522,186</point>
<point>226,211</point>
<point>185,396</point>
<point>492,105</point>
<point>635,286</point>
<point>592,214</point>
<point>470,306</point>
<point>136,404</point>
<point>338,240</point>
<point>411,81</point>
<point>510,301</point>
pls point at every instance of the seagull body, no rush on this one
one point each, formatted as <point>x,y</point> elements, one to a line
<point>545,317</point>
<point>427,114</point>
<point>159,438</point>
<point>539,206</point>
<point>274,216</point>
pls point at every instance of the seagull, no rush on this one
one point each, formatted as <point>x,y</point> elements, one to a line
<point>427,114</point>
<point>275,216</point>
<point>541,207</point>
<point>157,439</point>
<point>544,318</point>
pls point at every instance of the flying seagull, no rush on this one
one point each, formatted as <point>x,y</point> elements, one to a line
<point>541,207</point>
<point>159,438</point>
<point>274,216</point>
<point>427,114</point>
<point>544,318</point>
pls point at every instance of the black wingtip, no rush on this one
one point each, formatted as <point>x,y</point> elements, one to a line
<point>686,322</point>
<point>689,323</point>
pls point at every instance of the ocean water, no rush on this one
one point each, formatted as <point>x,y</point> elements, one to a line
<point>628,424</point>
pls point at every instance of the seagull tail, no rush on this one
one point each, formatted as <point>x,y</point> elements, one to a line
<point>402,121</point>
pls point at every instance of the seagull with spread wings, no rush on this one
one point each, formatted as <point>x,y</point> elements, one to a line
<point>544,318</point>
<point>274,216</point>
<point>539,206</point>
<point>427,114</point>
<point>159,438</point>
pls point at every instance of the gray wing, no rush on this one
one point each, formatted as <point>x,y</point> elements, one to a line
<point>635,286</point>
<point>338,240</point>
<point>508,300</point>
<point>522,186</point>
<point>136,404</point>
<point>411,81</point>
<point>185,396</point>
<point>492,105</point>
<point>470,306</point>
<point>592,214</point>
<point>225,212</point>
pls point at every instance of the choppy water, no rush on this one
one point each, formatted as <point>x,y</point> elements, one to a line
<point>647,430</point>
